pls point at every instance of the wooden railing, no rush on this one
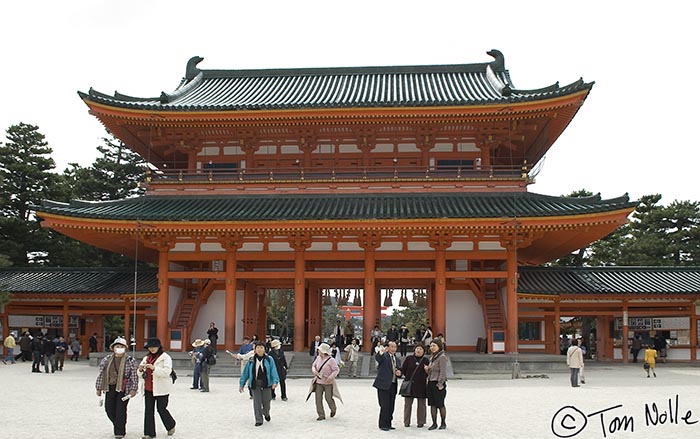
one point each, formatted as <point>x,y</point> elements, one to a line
<point>333,174</point>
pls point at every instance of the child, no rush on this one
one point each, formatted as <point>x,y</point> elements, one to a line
<point>650,360</point>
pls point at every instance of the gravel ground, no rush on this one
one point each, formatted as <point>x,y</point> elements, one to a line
<point>617,401</point>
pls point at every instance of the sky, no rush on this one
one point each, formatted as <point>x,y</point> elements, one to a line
<point>634,134</point>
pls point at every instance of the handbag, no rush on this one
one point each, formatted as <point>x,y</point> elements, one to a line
<point>405,389</point>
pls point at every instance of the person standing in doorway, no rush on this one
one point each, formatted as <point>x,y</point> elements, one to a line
<point>92,344</point>
<point>349,332</point>
<point>437,383</point>
<point>403,340</point>
<point>388,371</point>
<point>353,355</point>
<point>636,347</point>
<point>155,369</point>
<point>393,334</point>
<point>313,350</point>
<point>574,359</point>
<point>260,374</point>
<point>75,349</point>
<point>118,380</point>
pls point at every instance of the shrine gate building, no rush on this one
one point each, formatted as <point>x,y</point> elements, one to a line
<point>321,179</point>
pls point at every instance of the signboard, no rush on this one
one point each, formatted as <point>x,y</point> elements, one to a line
<point>48,321</point>
<point>654,323</point>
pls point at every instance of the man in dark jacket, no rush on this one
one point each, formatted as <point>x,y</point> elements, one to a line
<point>92,343</point>
<point>388,371</point>
<point>25,347</point>
<point>48,349</point>
<point>37,343</point>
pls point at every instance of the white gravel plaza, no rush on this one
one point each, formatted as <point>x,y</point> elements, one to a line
<point>64,405</point>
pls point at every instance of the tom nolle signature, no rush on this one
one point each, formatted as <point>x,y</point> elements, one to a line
<point>569,421</point>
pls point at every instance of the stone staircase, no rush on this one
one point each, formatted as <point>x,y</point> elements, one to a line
<point>461,365</point>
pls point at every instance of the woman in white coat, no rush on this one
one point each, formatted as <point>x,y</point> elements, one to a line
<point>155,371</point>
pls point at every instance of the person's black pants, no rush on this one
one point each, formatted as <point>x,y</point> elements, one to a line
<point>161,404</point>
<point>387,400</point>
<point>116,410</point>
<point>36,361</point>
<point>283,389</point>
<point>403,347</point>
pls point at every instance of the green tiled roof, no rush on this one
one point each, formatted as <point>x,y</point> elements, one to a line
<point>609,280</point>
<point>76,280</point>
<point>290,207</point>
<point>348,87</point>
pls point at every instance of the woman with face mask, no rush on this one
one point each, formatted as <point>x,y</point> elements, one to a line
<point>155,370</point>
<point>119,381</point>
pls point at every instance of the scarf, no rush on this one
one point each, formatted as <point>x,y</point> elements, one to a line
<point>120,375</point>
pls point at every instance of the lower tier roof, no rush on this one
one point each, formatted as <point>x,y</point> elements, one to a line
<point>574,281</point>
<point>360,206</point>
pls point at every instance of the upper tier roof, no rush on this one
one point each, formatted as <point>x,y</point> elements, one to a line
<point>368,87</point>
<point>255,208</point>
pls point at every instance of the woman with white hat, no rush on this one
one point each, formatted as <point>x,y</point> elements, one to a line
<point>325,369</point>
<point>119,381</point>
<point>155,369</point>
<point>196,356</point>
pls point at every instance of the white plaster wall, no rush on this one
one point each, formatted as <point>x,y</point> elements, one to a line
<point>174,294</point>
<point>465,321</point>
<point>213,311</point>
<point>678,354</point>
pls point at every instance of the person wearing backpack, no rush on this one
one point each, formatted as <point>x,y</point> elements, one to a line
<point>156,372</point>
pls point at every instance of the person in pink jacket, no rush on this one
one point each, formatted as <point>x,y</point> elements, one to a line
<point>324,369</point>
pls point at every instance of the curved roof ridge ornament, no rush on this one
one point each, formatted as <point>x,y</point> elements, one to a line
<point>499,62</point>
<point>192,71</point>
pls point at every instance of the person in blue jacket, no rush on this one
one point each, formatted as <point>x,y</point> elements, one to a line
<point>260,374</point>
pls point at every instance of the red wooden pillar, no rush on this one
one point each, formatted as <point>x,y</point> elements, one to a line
<point>162,324</point>
<point>440,303</point>
<point>557,327</point>
<point>512,302</point>
<point>371,301</point>
<point>66,317</point>
<point>230,300</point>
<point>127,320</point>
<point>625,332</point>
<point>250,304</point>
<point>314,306</point>
<point>299,295</point>
<point>261,327</point>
